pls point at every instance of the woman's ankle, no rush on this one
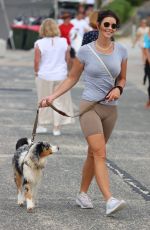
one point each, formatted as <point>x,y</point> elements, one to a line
<point>107,197</point>
<point>56,127</point>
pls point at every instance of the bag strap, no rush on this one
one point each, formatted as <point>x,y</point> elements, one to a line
<point>101,61</point>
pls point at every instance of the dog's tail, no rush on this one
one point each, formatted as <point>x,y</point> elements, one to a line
<point>22,141</point>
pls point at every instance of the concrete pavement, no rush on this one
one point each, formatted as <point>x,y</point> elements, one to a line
<point>128,155</point>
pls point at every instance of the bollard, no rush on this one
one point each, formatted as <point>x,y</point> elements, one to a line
<point>2,47</point>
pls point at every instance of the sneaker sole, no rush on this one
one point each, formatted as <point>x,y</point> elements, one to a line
<point>41,132</point>
<point>81,205</point>
<point>116,209</point>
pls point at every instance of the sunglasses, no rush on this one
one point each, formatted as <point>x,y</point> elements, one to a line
<point>113,25</point>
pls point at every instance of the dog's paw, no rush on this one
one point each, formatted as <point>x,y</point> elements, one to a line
<point>20,203</point>
<point>29,209</point>
<point>21,199</point>
<point>30,205</point>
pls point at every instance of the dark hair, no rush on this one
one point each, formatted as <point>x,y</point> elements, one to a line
<point>108,13</point>
<point>66,15</point>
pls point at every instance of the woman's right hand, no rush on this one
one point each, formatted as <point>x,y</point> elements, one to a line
<point>45,102</point>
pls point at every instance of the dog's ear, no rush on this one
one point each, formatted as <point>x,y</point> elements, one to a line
<point>37,151</point>
<point>39,148</point>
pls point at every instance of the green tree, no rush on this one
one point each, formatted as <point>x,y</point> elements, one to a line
<point>98,3</point>
<point>135,2</point>
<point>121,7</point>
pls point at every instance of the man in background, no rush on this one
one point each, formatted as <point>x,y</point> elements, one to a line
<point>66,26</point>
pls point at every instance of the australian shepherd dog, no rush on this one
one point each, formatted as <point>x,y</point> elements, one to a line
<point>28,162</point>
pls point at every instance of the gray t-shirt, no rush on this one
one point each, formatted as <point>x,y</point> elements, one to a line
<point>96,79</point>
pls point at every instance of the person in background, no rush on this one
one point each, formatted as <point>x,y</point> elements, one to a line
<point>80,23</point>
<point>77,32</point>
<point>50,66</point>
<point>81,9</point>
<point>141,31</point>
<point>66,26</point>
<point>88,12</point>
<point>93,34</point>
<point>98,121</point>
<point>147,64</point>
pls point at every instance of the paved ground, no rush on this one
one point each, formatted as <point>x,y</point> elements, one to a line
<point>128,156</point>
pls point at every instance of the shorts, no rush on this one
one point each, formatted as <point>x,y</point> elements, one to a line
<point>100,119</point>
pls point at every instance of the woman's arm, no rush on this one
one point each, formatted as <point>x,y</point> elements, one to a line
<point>37,59</point>
<point>66,85</point>
<point>122,76</point>
<point>137,37</point>
<point>115,93</point>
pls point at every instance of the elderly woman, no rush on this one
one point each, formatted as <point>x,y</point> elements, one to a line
<point>50,66</point>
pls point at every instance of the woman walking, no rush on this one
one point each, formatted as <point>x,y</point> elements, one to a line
<point>141,31</point>
<point>50,65</point>
<point>102,62</point>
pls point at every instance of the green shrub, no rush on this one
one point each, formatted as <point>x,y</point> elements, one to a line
<point>122,8</point>
<point>135,2</point>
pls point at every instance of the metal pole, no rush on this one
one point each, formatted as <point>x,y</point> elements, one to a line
<point>55,9</point>
<point>7,23</point>
<point>95,4</point>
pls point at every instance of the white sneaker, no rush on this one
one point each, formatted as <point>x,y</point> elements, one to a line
<point>56,132</point>
<point>83,200</point>
<point>41,129</point>
<point>114,205</point>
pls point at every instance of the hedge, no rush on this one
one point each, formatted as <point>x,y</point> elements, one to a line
<point>135,2</point>
<point>121,7</point>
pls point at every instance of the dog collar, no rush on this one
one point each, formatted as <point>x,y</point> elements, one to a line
<point>36,166</point>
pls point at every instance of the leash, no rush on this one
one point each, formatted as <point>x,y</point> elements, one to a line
<point>63,113</point>
<point>35,126</point>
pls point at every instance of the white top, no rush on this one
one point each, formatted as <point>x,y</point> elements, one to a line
<point>75,39</point>
<point>91,2</point>
<point>80,25</point>
<point>141,32</point>
<point>53,66</point>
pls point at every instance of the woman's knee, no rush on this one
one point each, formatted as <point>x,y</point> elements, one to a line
<point>90,153</point>
<point>99,153</point>
<point>97,146</point>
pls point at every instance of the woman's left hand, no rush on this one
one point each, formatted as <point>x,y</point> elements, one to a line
<point>114,94</point>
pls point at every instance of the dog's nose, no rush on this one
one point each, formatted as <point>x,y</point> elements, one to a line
<point>54,148</point>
